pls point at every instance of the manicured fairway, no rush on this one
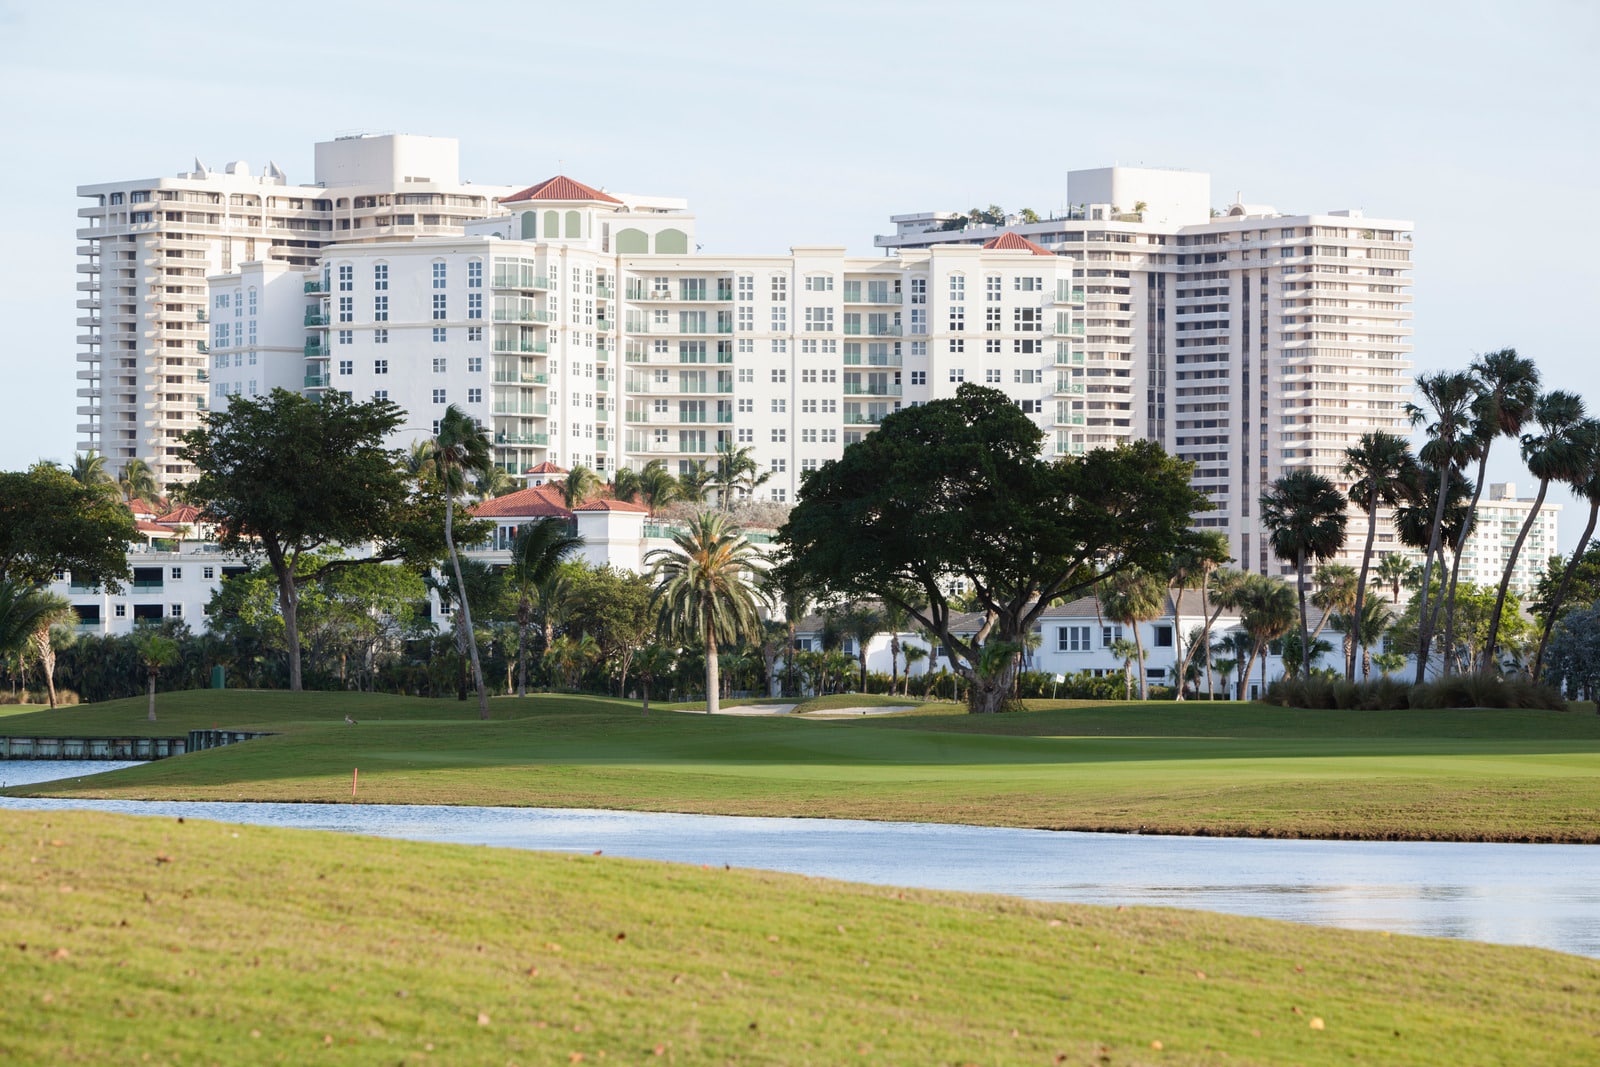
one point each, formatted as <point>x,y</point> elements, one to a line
<point>1238,769</point>
<point>130,941</point>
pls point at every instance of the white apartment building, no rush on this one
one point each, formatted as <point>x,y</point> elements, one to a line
<point>1497,523</point>
<point>579,328</point>
<point>1249,342</point>
<point>147,246</point>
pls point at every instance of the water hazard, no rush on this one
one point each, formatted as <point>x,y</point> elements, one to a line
<point>1540,895</point>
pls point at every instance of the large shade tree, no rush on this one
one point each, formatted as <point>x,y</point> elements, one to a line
<point>705,590</point>
<point>291,478</point>
<point>1304,514</point>
<point>1382,473</point>
<point>49,521</point>
<point>955,489</point>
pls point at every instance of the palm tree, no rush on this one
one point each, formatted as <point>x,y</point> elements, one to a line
<point>1133,596</point>
<point>783,589</point>
<point>653,661</point>
<point>1556,453</point>
<point>913,654</point>
<point>1449,396</point>
<point>89,469</point>
<point>1127,651</point>
<point>1394,570</point>
<point>702,592</point>
<point>494,481</point>
<point>694,481</point>
<point>137,481</point>
<point>737,470</point>
<point>1221,588</point>
<point>1191,567</point>
<point>1381,470</point>
<point>1337,593</point>
<point>1588,487</point>
<point>536,552</point>
<point>625,484</point>
<point>657,487</point>
<point>24,612</point>
<point>156,650</point>
<point>861,623</point>
<point>1508,387</point>
<point>417,462</point>
<point>1305,517</point>
<point>581,484</point>
<point>1269,613</point>
<point>1235,646</point>
<point>459,448</point>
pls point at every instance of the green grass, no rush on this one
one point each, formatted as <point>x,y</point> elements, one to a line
<point>135,939</point>
<point>1236,769</point>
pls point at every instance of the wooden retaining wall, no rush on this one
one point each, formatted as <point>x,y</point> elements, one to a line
<point>119,748</point>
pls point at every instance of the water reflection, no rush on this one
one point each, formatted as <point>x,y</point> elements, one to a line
<point>1541,895</point>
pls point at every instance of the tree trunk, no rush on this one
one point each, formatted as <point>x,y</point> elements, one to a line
<point>894,661</point>
<point>1305,641</point>
<point>1455,565</point>
<point>1505,579</point>
<point>713,680</point>
<point>151,676</point>
<point>862,649</point>
<point>646,684</point>
<point>1424,620</point>
<point>1205,636</point>
<point>1361,581</point>
<point>524,617</point>
<point>466,607</point>
<point>1180,662</point>
<point>1561,590</point>
<point>987,694</point>
<point>1138,644</point>
<point>1255,650</point>
<point>289,604</point>
<point>47,662</point>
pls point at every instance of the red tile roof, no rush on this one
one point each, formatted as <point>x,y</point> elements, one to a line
<point>562,188</point>
<point>546,468</point>
<point>154,528</point>
<point>613,505</point>
<point>182,513</point>
<point>534,502</point>
<point>1011,242</point>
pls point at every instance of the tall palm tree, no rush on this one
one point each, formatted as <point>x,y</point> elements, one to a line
<point>702,592</point>
<point>1336,595</point>
<point>1218,592</point>
<point>24,612</point>
<point>1508,387</point>
<point>694,482</point>
<point>1556,453</point>
<point>737,472</point>
<point>860,622</point>
<point>1191,567</point>
<point>1268,614</point>
<point>89,469</point>
<point>657,487</point>
<point>1305,518</point>
<point>156,650</point>
<point>461,448</point>
<point>417,462</point>
<point>536,552</point>
<point>782,588</point>
<point>1134,596</point>
<point>581,484</point>
<point>138,480</point>
<point>1448,396</point>
<point>1393,571</point>
<point>1588,487</point>
<point>1382,471</point>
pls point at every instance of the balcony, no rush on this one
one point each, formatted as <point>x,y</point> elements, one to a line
<point>870,389</point>
<point>528,378</point>
<point>606,324</point>
<point>316,381</point>
<point>510,281</point>
<point>605,292</point>
<point>202,348</point>
<point>874,298</point>
<point>201,376</point>
<point>316,351</point>
<point>533,347</point>
<point>316,287</point>
<point>316,318</point>
<point>855,418</point>
<point>542,439</point>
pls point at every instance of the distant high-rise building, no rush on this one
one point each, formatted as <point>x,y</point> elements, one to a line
<point>1497,524</point>
<point>1249,342</point>
<point>146,247</point>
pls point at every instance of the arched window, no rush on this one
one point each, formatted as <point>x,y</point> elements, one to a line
<point>574,224</point>
<point>672,242</point>
<point>530,228</point>
<point>632,242</point>
<point>552,225</point>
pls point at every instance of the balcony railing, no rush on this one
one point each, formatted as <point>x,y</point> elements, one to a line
<point>316,287</point>
<point>870,389</point>
<point>202,348</point>
<point>314,318</point>
<point>522,439</point>
<point>316,381</point>
<point>855,418</point>
<point>316,351</point>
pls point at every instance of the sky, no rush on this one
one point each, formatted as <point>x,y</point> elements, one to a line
<point>790,124</point>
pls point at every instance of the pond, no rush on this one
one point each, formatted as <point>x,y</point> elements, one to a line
<point>1541,895</point>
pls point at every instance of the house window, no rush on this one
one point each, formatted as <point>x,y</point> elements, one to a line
<point>380,366</point>
<point>474,274</point>
<point>474,333</point>
<point>438,396</point>
<point>380,276</point>
<point>474,396</point>
<point>474,305</point>
<point>177,572</point>
<point>345,337</point>
<point>439,364</point>
<point>439,334</point>
<point>380,337</point>
<point>380,309</point>
<point>176,611</point>
<point>439,305</point>
<point>208,573</point>
<point>1109,635</point>
<point>121,611</point>
<point>919,377</point>
<point>1163,636</point>
<point>958,374</point>
<point>438,276</point>
<point>1072,639</point>
<point>474,364</point>
<point>347,278</point>
<point>347,366</point>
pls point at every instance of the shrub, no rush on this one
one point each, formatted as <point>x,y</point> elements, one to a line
<point>1386,694</point>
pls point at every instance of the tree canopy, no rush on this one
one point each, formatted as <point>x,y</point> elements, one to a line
<point>50,521</point>
<point>955,489</point>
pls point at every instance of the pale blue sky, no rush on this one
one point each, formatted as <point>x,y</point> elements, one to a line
<point>812,123</point>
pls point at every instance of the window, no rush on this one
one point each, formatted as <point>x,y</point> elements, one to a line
<point>958,287</point>
<point>1109,635</point>
<point>439,308</point>
<point>345,337</point>
<point>474,274</point>
<point>208,573</point>
<point>808,437</point>
<point>1028,285</point>
<point>1027,377</point>
<point>438,276</point>
<point>474,396</point>
<point>440,364</point>
<point>347,366</point>
<point>991,376</point>
<point>958,345</point>
<point>809,375</point>
<point>819,319</point>
<point>347,309</point>
<point>177,573</point>
<point>780,348</point>
<point>438,396</point>
<point>474,364</point>
<point>380,366</point>
<point>380,309</point>
<point>830,407</point>
<point>808,464</point>
<point>779,407</point>
<point>780,466</point>
<point>1164,636</point>
<point>991,320</point>
<point>380,394</point>
<point>919,377</point>
<point>474,305</point>
<point>830,437</point>
<point>779,435</point>
<point>808,407</point>
<point>176,611</point>
<point>1031,407</point>
<point>819,283</point>
<point>347,278</point>
<point>991,345</point>
<point>958,318</point>
<point>121,611</point>
<point>991,288</point>
<point>747,406</point>
<point>380,276</point>
<point>747,437</point>
<point>830,375</point>
<point>440,334</point>
<point>747,374</point>
<point>780,287</point>
<point>1028,320</point>
<point>380,337</point>
<point>958,374</point>
<point>474,333</point>
<point>779,375</point>
<point>1072,639</point>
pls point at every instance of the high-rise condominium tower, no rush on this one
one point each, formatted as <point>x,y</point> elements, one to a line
<point>147,246</point>
<point>1249,342</point>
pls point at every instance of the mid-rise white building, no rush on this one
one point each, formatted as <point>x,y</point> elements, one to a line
<point>578,326</point>
<point>1500,517</point>
<point>1249,341</point>
<point>146,247</point>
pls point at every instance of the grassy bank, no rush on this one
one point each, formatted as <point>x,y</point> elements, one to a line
<point>1237,769</point>
<point>129,938</point>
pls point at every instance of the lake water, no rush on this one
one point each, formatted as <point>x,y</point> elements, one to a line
<point>1541,895</point>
